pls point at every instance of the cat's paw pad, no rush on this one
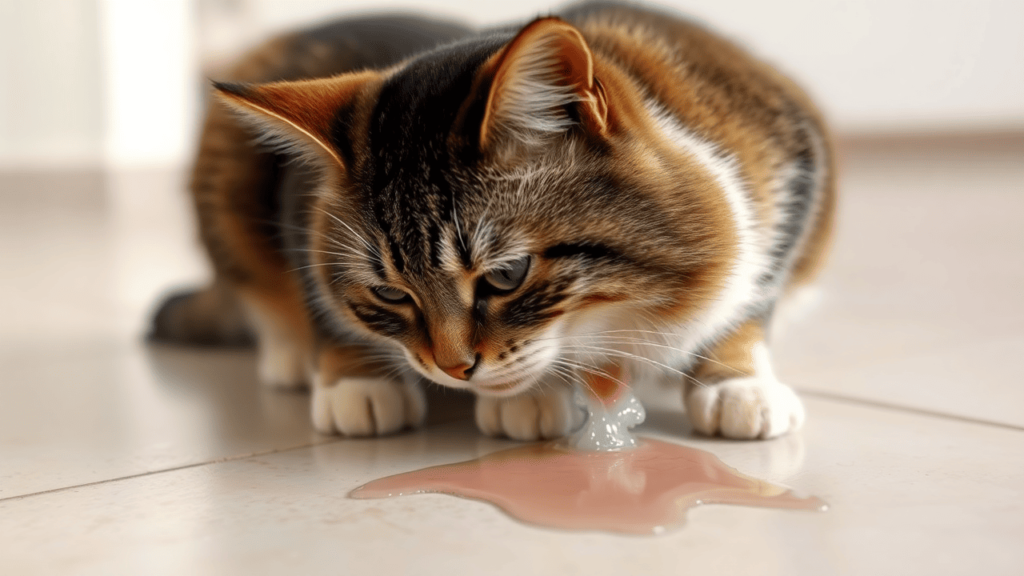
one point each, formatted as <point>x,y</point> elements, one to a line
<point>529,416</point>
<point>745,408</point>
<point>367,406</point>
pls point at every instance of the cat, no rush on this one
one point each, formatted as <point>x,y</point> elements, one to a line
<point>612,187</point>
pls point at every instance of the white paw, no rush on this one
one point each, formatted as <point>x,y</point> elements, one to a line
<point>745,408</point>
<point>532,415</point>
<point>367,406</point>
<point>281,364</point>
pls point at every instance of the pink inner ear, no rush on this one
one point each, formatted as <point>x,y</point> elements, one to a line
<point>299,111</point>
<point>547,66</point>
<point>577,63</point>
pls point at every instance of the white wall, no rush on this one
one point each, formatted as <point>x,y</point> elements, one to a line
<point>51,106</point>
<point>875,65</point>
<point>120,79</point>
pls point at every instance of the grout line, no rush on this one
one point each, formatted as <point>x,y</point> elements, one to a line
<point>329,440</point>
<point>176,468</point>
<point>902,408</point>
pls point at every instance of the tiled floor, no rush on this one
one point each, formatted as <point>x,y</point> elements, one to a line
<point>120,458</point>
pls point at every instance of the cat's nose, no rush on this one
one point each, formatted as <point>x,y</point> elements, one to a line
<point>463,371</point>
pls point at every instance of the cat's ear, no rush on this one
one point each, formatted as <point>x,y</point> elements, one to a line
<point>539,76</point>
<point>302,114</point>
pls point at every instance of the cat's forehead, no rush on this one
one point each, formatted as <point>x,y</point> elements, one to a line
<point>434,205</point>
<point>417,106</point>
<point>407,180</point>
<point>444,239</point>
<point>445,218</point>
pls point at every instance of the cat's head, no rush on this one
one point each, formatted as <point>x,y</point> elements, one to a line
<point>489,204</point>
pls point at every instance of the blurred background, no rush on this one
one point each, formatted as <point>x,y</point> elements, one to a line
<point>119,82</point>
<point>119,457</point>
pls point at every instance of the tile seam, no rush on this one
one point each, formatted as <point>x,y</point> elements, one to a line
<point>324,442</point>
<point>829,396</point>
<point>171,469</point>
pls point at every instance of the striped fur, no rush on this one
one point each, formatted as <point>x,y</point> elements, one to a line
<point>666,188</point>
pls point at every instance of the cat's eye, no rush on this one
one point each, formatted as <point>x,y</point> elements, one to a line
<point>391,295</point>
<point>510,276</point>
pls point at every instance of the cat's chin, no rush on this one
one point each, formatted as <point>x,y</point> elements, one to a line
<point>503,388</point>
<point>506,389</point>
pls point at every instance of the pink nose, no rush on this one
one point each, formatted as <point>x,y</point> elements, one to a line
<point>462,371</point>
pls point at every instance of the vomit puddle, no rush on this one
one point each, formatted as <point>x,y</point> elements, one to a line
<point>601,478</point>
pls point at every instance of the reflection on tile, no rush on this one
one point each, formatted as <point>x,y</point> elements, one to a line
<point>908,494</point>
<point>89,413</point>
<point>104,412</point>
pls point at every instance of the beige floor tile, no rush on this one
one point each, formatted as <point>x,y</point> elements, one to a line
<point>80,414</point>
<point>980,381</point>
<point>926,272</point>
<point>83,399</point>
<point>74,415</point>
<point>909,494</point>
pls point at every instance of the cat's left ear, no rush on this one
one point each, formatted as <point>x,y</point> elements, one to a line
<point>545,72</point>
<point>304,114</point>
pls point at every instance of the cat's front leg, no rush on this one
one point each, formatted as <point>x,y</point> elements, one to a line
<point>735,393</point>
<point>545,411</point>
<point>354,396</point>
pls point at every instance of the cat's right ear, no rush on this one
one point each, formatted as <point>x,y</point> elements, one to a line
<point>546,69</point>
<point>304,114</point>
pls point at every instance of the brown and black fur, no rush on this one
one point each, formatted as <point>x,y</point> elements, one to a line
<point>248,198</point>
<point>417,147</point>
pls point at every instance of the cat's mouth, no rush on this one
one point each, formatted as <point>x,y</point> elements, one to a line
<point>497,382</point>
<point>510,385</point>
<point>503,387</point>
<point>506,388</point>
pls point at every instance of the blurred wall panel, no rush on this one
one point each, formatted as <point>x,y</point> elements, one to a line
<point>51,84</point>
<point>152,81</point>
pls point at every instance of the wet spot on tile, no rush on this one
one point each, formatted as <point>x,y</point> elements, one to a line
<point>642,491</point>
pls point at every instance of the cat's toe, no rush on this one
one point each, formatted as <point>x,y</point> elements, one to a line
<point>745,408</point>
<point>366,406</point>
<point>529,416</point>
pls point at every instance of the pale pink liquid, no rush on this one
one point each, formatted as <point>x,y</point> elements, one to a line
<point>641,491</point>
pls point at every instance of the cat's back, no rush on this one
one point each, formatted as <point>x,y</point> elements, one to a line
<point>345,45</point>
<point>700,73</point>
<point>715,99</point>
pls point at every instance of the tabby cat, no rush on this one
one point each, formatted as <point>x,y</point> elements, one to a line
<point>504,212</point>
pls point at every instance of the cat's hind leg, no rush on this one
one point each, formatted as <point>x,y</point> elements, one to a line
<point>356,392</point>
<point>210,316</point>
<point>735,393</point>
<point>223,315</point>
<point>283,334</point>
